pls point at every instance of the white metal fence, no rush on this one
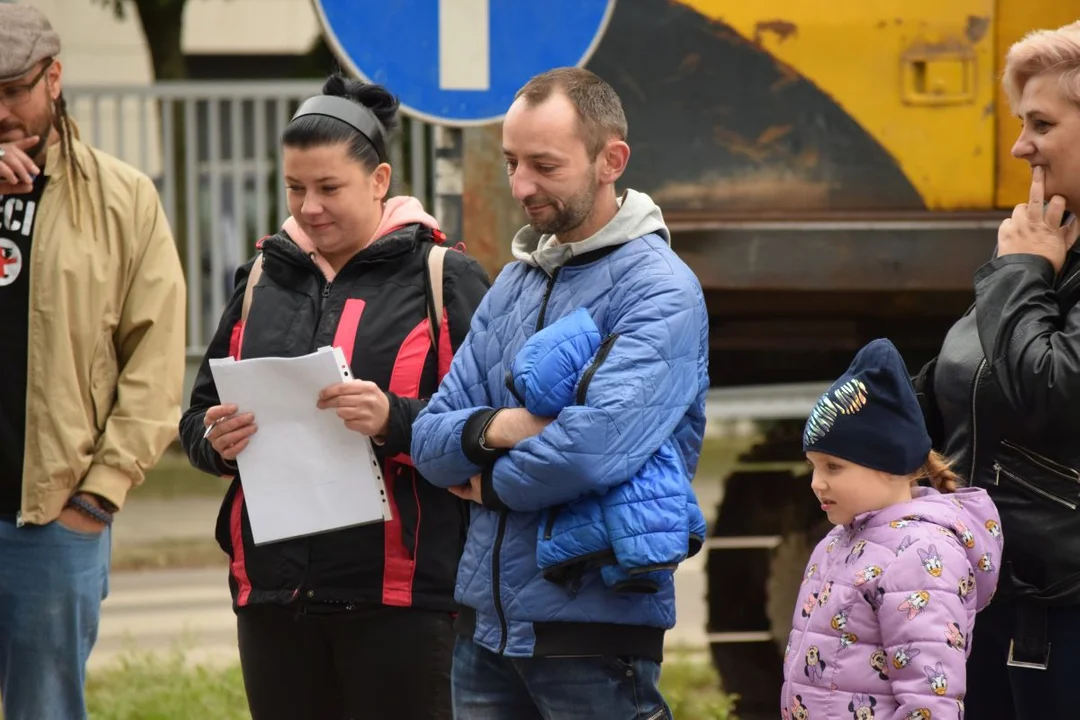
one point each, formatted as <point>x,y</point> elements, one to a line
<point>212,150</point>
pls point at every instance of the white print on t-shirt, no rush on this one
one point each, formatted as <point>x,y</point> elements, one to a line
<point>10,262</point>
<point>17,215</point>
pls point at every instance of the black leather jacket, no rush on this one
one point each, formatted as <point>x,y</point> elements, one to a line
<point>1002,401</point>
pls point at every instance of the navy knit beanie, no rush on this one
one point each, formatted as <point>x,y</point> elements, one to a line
<point>870,415</point>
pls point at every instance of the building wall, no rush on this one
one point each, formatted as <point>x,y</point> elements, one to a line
<point>270,26</point>
<point>96,47</point>
<point>101,50</point>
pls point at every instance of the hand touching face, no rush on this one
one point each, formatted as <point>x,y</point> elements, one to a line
<point>1036,229</point>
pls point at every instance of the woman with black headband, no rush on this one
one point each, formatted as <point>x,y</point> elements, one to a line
<point>357,622</point>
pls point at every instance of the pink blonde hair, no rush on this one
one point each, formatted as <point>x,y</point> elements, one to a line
<point>1040,52</point>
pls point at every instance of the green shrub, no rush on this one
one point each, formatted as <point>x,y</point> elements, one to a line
<point>156,687</point>
<point>692,689</point>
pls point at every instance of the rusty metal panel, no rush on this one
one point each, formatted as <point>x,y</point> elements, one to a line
<point>803,257</point>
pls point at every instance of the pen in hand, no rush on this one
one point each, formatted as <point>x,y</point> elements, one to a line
<point>236,430</point>
<point>210,428</point>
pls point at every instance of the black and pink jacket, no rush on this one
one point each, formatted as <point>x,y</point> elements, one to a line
<point>375,309</point>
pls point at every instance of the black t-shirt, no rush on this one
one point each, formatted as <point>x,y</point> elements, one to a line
<point>17,215</point>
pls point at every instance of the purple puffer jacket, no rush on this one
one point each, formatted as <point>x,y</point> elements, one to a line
<point>887,606</point>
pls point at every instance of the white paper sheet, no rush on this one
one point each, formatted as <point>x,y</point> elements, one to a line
<point>303,472</point>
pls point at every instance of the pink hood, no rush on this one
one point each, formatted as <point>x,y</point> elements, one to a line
<point>397,213</point>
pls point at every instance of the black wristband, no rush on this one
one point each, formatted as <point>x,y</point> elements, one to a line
<point>472,436</point>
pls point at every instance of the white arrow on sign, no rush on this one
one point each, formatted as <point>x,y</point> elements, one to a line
<point>464,44</point>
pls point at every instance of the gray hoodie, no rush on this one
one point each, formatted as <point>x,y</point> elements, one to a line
<point>638,216</point>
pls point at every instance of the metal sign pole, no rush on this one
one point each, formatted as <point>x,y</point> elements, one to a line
<point>449,180</point>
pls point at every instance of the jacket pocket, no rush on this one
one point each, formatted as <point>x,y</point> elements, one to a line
<point>408,507</point>
<point>1047,464</point>
<point>1040,477</point>
<point>223,526</point>
<point>103,376</point>
<point>601,356</point>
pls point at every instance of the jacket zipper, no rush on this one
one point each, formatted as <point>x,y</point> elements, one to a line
<point>512,389</point>
<point>1064,285</point>
<point>496,552</point>
<point>550,525</point>
<point>1061,288</point>
<point>974,427</point>
<point>601,356</point>
<point>1045,462</point>
<point>311,345</point>
<point>496,580</point>
<point>325,296</point>
<point>547,296</point>
<point>999,471</point>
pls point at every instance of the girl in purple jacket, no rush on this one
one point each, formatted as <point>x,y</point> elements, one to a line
<point>889,597</point>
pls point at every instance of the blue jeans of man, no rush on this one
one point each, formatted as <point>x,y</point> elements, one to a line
<point>52,582</point>
<point>487,686</point>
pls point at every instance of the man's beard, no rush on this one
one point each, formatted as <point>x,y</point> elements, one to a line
<point>568,215</point>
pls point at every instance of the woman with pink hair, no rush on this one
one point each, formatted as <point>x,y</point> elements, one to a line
<point>1002,401</point>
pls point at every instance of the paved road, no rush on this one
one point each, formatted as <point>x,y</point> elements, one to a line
<point>160,610</point>
<point>163,610</point>
<point>148,520</point>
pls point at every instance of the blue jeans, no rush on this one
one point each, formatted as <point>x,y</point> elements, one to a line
<point>486,686</point>
<point>52,582</point>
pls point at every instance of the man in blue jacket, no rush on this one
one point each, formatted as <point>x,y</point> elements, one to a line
<point>529,647</point>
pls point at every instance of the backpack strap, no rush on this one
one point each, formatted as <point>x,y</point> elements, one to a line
<point>249,289</point>
<point>435,259</point>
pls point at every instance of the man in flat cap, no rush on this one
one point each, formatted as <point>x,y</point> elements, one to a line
<point>92,304</point>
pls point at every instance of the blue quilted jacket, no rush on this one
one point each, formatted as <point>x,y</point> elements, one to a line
<point>648,389</point>
<point>638,532</point>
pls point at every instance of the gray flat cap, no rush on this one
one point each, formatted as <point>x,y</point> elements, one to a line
<point>26,38</point>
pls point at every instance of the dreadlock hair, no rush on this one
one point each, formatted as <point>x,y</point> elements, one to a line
<point>66,129</point>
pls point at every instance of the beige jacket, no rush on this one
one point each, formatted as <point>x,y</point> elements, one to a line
<point>106,336</point>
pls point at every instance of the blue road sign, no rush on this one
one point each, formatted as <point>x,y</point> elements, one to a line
<point>459,62</point>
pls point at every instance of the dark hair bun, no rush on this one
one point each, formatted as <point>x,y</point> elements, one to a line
<point>374,97</point>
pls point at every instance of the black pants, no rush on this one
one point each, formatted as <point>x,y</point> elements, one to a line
<point>999,692</point>
<point>379,663</point>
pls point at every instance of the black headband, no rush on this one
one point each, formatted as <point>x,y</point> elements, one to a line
<point>357,116</point>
